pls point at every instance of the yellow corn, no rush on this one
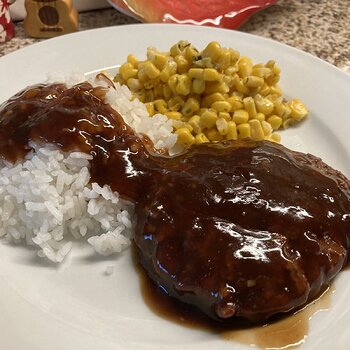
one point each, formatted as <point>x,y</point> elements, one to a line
<point>260,117</point>
<point>183,85</point>
<point>198,86</point>
<point>275,137</point>
<point>194,121</point>
<point>243,131</point>
<point>240,116</point>
<point>176,103</point>
<point>160,106</point>
<point>215,86</point>
<point>167,92</point>
<point>150,108</point>
<point>281,109</point>
<point>275,121</point>
<point>221,125</point>
<point>263,105</point>
<point>191,106</point>
<point>184,136</point>
<point>245,67</point>
<point>253,82</point>
<point>201,138</point>
<point>214,97</point>
<point>127,71</point>
<point>196,73</point>
<point>211,95</point>
<point>221,106</point>
<point>173,115</point>
<point>133,60</point>
<point>213,135</point>
<point>225,115</point>
<point>134,84</point>
<point>150,84</point>
<point>182,64</point>
<point>211,74</point>
<point>235,102</point>
<point>231,131</point>
<point>298,110</point>
<point>213,50</point>
<point>158,59</point>
<point>249,106</point>
<point>256,130</point>
<point>267,128</point>
<point>151,70</point>
<point>208,119</point>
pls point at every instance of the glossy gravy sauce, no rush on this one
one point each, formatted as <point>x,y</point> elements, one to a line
<point>78,119</point>
<point>289,332</point>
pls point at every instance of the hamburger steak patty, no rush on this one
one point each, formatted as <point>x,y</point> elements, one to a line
<point>247,229</point>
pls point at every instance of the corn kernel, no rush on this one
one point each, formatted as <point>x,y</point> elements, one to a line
<point>133,60</point>
<point>267,128</point>
<point>167,92</point>
<point>213,135</point>
<point>158,59</point>
<point>134,84</point>
<point>127,71</point>
<point>275,121</point>
<point>221,125</point>
<point>243,131</point>
<point>190,52</point>
<point>240,116</point>
<point>235,102</point>
<point>221,106</point>
<point>260,117</point>
<point>160,106</point>
<point>240,87</point>
<point>231,131</point>
<point>175,103</point>
<point>214,97</point>
<point>245,67</point>
<point>215,86</point>
<point>151,70</point>
<point>213,50</point>
<point>263,105</point>
<point>225,115</point>
<point>150,108</point>
<point>211,74</point>
<point>194,121</point>
<point>253,82</point>
<point>184,85</point>
<point>191,106</point>
<point>196,73</point>
<point>173,115</point>
<point>184,136</point>
<point>201,138</point>
<point>298,110</point>
<point>275,137</point>
<point>249,106</point>
<point>257,132</point>
<point>182,64</point>
<point>198,86</point>
<point>208,119</point>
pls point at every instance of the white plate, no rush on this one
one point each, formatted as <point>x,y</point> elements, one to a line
<point>77,306</point>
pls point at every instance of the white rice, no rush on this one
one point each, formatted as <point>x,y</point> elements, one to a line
<point>47,199</point>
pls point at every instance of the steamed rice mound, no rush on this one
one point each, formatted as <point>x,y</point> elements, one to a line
<point>47,199</point>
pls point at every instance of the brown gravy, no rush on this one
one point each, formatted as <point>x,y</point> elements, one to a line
<point>289,332</point>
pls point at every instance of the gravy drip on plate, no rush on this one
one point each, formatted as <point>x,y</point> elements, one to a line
<point>238,229</point>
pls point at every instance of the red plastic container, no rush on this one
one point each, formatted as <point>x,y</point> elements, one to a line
<point>217,13</point>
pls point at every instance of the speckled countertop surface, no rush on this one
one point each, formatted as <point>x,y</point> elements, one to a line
<point>320,27</point>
